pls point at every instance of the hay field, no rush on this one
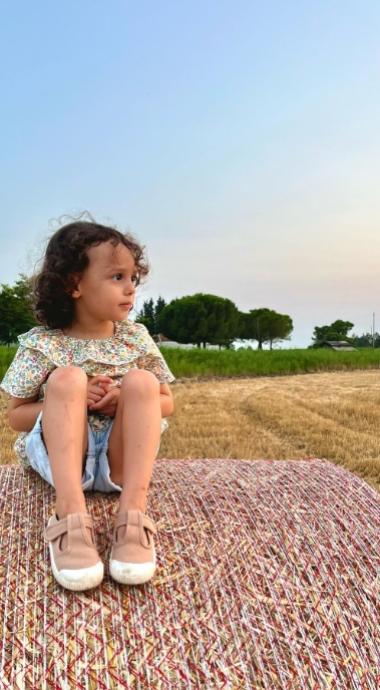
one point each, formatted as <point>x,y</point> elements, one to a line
<point>328,415</point>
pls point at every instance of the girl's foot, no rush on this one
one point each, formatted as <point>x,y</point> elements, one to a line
<point>133,556</point>
<point>74,559</point>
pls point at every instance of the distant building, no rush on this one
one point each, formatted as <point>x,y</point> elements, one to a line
<point>338,345</point>
<point>162,340</point>
<point>172,343</point>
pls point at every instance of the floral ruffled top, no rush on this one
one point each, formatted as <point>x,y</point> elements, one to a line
<point>42,349</point>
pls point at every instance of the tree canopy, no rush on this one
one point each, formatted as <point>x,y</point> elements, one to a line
<point>200,319</point>
<point>265,326</point>
<point>337,330</point>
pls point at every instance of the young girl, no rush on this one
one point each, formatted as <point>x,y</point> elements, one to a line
<point>89,392</point>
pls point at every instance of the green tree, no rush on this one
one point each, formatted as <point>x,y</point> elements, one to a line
<point>265,326</point>
<point>160,306</point>
<point>365,340</point>
<point>16,312</point>
<point>337,330</point>
<point>8,309</point>
<point>200,319</point>
<point>146,316</point>
<point>149,315</point>
<point>280,327</point>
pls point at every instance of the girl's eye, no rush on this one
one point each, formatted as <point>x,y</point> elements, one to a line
<point>135,278</point>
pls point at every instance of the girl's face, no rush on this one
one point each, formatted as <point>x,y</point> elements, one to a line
<point>106,289</point>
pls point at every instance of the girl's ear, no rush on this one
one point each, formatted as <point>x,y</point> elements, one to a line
<point>72,286</point>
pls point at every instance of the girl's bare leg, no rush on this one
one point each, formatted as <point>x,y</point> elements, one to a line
<point>135,437</point>
<point>64,426</point>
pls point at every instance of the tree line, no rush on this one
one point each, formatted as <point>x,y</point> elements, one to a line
<point>208,319</point>
<point>199,319</point>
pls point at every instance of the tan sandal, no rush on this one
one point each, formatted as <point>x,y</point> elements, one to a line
<point>133,556</point>
<point>74,559</point>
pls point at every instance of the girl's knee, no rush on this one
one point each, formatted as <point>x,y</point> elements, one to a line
<point>140,381</point>
<point>67,376</point>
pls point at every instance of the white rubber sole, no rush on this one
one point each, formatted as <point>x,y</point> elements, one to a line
<point>132,573</point>
<point>79,579</point>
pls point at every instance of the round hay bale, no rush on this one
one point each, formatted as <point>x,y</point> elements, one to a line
<point>268,577</point>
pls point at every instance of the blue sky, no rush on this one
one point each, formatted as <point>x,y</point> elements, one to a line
<point>240,142</point>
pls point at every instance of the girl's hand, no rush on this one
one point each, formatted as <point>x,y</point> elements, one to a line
<point>108,403</point>
<point>97,387</point>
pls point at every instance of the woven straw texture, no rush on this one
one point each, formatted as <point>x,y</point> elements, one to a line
<point>268,577</point>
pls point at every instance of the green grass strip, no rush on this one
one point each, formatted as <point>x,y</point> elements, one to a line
<point>245,362</point>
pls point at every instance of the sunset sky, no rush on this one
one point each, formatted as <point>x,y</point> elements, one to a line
<point>239,141</point>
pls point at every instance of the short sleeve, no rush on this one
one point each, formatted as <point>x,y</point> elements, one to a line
<point>153,360</point>
<point>28,371</point>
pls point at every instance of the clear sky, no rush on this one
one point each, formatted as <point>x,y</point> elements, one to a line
<point>239,141</point>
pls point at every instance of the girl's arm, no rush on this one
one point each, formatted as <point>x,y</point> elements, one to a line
<point>108,403</point>
<point>23,412</point>
<point>166,399</point>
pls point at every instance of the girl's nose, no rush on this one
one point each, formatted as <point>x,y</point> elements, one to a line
<point>129,287</point>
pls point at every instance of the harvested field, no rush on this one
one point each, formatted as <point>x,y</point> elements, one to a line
<point>328,415</point>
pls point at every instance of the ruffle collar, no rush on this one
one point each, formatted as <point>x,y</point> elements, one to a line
<point>130,341</point>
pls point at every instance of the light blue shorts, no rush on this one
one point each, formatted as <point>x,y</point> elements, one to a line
<point>96,475</point>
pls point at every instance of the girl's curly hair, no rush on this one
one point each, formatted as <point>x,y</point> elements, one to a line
<point>65,258</point>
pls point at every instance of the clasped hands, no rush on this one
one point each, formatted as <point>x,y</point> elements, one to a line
<point>102,395</point>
